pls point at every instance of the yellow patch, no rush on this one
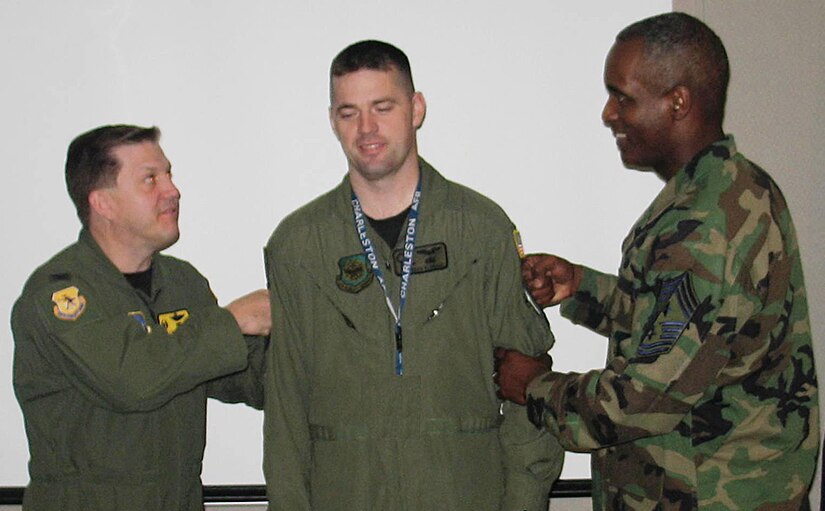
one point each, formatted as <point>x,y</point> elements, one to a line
<point>68,304</point>
<point>517,240</point>
<point>172,320</point>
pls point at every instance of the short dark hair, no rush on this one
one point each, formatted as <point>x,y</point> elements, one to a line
<point>681,50</point>
<point>90,164</point>
<point>374,55</point>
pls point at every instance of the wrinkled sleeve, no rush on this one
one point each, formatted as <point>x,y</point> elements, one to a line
<point>286,423</point>
<point>245,386</point>
<point>593,306</point>
<point>532,457</point>
<point>120,362</point>
<point>677,347</point>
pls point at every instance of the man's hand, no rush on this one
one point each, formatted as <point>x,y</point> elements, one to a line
<point>515,370</point>
<point>550,279</point>
<point>252,313</point>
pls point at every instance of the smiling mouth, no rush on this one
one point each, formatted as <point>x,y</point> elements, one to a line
<point>371,148</point>
<point>170,210</point>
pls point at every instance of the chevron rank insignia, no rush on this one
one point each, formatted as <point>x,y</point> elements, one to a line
<point>675,304</point>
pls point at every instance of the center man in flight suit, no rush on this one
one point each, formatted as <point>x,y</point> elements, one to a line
<point>389,293</point>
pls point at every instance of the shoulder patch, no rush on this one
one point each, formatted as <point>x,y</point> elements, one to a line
<point>427,258</point>
<point>354,273</point>
<point>172,320</point>
<point>517,241</point>
<point>675,304</point>
<point>69,304</point>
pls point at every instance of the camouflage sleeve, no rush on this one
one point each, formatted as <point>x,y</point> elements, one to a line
<point>689,307</point>
<point>593,306</point>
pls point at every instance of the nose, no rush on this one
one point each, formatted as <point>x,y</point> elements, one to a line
<point>169,189</point>
<point>609,112</point>
<point>366,123</point>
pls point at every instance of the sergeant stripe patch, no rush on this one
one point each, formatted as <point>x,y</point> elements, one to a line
<point>675,304</point>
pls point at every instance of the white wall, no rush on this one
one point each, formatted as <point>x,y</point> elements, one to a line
<point>240,91</point>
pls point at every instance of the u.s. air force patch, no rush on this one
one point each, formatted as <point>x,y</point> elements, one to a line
<point>69,304</point>
<point>172,320</point>
<point>354,273</point>
<point>675,304</point>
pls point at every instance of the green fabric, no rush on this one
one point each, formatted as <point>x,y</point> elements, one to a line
<point>114,411</point>
<point>342,431</point>
<point>709,396</point>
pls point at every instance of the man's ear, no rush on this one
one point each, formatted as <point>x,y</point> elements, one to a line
<point>100,203</point>
<point>681,102</point>
<point>419,109</point>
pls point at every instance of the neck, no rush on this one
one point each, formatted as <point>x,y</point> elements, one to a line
<point>127,259</point>
<point>386,197</point>
<point>686,151</point>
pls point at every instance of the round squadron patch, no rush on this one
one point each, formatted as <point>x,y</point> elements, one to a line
<point>354,273</point>
<point>69,304</point>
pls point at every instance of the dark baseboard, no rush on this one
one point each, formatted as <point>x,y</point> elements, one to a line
<point>564,488</point>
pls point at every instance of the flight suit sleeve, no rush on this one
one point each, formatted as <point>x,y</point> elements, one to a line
<point>532,458</point>
<point>121,361</point>
<point>245,386</point>
<point>286,423</point>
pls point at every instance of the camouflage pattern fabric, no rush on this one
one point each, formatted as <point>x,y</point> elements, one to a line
<point>709,396</point>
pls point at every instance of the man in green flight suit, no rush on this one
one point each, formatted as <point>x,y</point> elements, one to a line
<point>709,397</point>
<point>117,347</point>
<point>388,294</point>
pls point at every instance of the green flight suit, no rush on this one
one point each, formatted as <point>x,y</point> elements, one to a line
<point>709,396</point>
<point>113,383</point>
<point>343,431</point>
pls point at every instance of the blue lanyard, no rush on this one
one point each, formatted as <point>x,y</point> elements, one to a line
<point>406,267</point>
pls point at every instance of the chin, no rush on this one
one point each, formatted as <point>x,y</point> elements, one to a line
<point>168,241</point>
<point>639,167</point>
<point>632,164</point>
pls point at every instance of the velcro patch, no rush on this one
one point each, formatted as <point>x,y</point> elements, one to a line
<point>69,304</point>
<point>675,304</point>
<point>519,244</point>
<point>426,258</point>
<point>354,273</point>
<point>172,320</point>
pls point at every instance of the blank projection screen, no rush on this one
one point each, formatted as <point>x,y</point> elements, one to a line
<point>239,89</point>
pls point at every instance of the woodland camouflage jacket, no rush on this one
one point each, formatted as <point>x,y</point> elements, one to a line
<point>709,396</point>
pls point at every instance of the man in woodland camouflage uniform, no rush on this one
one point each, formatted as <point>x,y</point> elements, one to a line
<point>709,396</point>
